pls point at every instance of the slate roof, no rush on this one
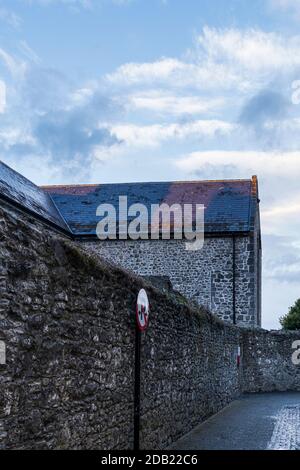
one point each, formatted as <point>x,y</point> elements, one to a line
<point>23,193</point>
<point>229,204</point>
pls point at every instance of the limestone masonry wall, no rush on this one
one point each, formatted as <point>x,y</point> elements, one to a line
<point>204,276</point>
<point>267,361</point>
<point>67,320</point>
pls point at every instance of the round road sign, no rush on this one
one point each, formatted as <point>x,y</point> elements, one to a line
<point>142,310</point>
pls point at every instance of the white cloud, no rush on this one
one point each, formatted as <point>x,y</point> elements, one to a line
<point>10,17</point>
<point>292,6</point>
<point>284,210</point>
<point>286,164</point>
<point>13,136</point>
<point>282,260</point>
<point>281,271</point>
<point>29,53</point>
<point>14,66</point>
<point>252,49</point>
<point>278,176</point>
<point>159,101</point>
<point>2,96</point>
<point>292,124</point>
<point>154,135</point>
<point>221,59</point>
<point>132,73</point>
<point>278,296</point>
<point>81,95</point>
<point>46,118</point>
<point>177,74</point>
<point>282,216</point>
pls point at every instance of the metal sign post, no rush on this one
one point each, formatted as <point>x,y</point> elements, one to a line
<point>238,356</point>
<point>2,353</point>
<point>137,389</point>
<point>141,324</point>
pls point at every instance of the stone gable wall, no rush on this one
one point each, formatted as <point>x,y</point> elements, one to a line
<point>204,276</point>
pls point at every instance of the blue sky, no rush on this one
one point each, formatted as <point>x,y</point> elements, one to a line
<point>136,90</point>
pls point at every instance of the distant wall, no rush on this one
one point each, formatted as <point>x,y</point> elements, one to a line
<point>67,320</point>
<point>267,361</point>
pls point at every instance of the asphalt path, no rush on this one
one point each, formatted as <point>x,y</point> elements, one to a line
<point>253,422</point>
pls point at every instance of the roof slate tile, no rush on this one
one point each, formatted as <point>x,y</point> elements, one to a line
<point>227,203</point>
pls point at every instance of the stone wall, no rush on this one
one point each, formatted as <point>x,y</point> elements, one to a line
<point>68,324</point>
<point>267,361</point>
<point>67,320</point>
<point>205,276</point>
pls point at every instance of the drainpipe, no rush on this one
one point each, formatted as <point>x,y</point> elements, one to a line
<point>233,280</point>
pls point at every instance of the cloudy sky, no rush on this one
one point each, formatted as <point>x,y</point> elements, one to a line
<point>139,90</point>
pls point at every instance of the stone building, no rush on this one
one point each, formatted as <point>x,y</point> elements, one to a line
<point>224,276</point>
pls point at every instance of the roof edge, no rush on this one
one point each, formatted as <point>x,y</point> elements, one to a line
<point>254,203</point>
<point>229,234</point>
<point>93,185</point>
<point>37,216</point>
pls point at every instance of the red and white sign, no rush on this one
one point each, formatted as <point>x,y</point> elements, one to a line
<point>142,310</point>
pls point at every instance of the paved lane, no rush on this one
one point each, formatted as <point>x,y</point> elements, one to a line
<point>254,422</point>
